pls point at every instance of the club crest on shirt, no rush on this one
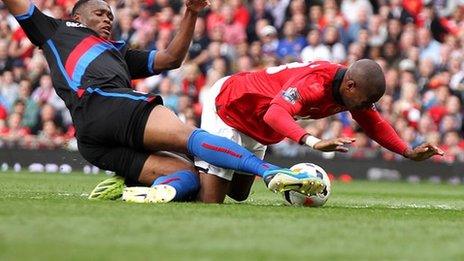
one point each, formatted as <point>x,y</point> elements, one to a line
<point>291,95</point>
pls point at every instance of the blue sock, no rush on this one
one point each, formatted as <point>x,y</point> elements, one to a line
<point>225,153</point>
<point>185,182</point>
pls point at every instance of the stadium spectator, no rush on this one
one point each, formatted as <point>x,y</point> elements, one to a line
<point>399,12</point>
<point>6,61</point>
<point>351,9</point>
<point>290,46</point>
<point>337,53</point>
<point>48,113</point>
<point>258,12</point>
<point>362,22</point>
<point>49,137</point>
<point>31,109</point>
<point>20,46</point>
<point>45,93</point>
<point>193,81</point>
<point>429,47</point>
<point>198,51</point>
<point>16,132</point>
<point>234,31</point>
<point>315,50</point>
<point>123,29</point>
<point>170,98</point>
<point>8,89</point>
<point>269,40</point>
<point>316,18</point>
<point>301,25</point>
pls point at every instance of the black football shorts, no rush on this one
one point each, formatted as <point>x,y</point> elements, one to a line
<point>110,124</point>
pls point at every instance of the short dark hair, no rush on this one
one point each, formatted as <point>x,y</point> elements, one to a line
<point>369,75</point>
<point>78,5</point>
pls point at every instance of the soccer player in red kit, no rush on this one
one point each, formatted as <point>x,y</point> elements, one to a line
<point>256,109</point>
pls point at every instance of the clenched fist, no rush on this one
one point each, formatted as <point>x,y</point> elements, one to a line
<point>196,5</point>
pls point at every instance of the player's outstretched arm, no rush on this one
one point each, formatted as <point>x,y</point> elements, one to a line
<point>383,133</point>
<point>423,152</point>
<point>282,122</point>
<point>173,56</point>
<point>17,7</point>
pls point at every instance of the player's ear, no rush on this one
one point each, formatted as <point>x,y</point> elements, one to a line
<point>76,17</point>
<point>350,85</point>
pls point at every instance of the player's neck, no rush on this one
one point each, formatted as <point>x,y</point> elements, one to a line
<point>336,84</point>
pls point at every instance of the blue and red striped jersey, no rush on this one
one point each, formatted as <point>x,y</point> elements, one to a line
<point>78,58</point>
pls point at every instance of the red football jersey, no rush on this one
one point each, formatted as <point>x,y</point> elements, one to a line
<point>302,89</point>
<point>258,104</point>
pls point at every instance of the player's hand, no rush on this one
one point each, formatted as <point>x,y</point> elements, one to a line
<point>423,152</point>
<point>196,5</point>
<point>337,144</point>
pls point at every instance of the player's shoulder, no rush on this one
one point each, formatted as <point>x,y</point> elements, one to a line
<point>330,65</point>
<point>322,68</point>
<point>326,71</point>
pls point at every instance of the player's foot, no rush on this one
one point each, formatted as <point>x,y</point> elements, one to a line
<point>284,179</point>
<point>109,189</point>
<point>156,194</point>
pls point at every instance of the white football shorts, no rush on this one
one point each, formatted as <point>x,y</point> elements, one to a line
<point>212,123</point>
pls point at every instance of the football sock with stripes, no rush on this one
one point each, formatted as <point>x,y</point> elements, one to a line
<point>224,153</point>
<point>185,182</point>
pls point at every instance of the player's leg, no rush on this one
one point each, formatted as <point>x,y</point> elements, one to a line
<point>161,164</point>
<point>146,169</point>
<point>224,181</point>
<point>241,183</point>
<point>240,186</point>
<point>163,170</point>
<point>164,131</point>
<point>214,181</point>
<point>213,189</point>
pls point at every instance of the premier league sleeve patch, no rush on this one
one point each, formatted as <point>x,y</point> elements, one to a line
<point>291,95</point>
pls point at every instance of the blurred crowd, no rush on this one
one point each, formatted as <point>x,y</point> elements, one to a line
<point>417,43</point>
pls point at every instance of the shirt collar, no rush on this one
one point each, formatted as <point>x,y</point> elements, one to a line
<point>337,82</point>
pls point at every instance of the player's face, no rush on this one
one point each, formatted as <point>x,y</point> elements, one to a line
<point>356,98</point>
<point>97,16</point>
<point>357,101</point>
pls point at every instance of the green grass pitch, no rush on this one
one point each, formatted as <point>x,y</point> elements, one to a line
<point>47,217</point>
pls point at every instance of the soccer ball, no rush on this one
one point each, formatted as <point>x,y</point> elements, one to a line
<point>292,197</point>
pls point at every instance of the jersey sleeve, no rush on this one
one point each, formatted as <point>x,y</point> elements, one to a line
<point>288,104</point>
<point>140,63</point>
<point>37,26</point>
<point>282,122</point>
<point>379,129</point>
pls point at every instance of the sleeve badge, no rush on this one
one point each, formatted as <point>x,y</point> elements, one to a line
<point>291,95</point>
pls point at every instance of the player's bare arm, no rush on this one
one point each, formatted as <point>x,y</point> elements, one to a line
<point>17,7</point>
<point>173,56</point>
